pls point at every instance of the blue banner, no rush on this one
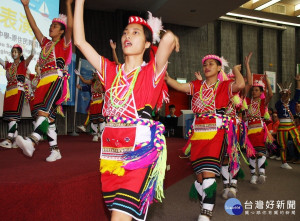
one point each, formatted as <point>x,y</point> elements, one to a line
<point>84,97</point>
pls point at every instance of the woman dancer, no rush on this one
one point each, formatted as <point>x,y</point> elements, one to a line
<point>205,147</point>
<point>132,160</point>
<point>257,130</point>
<point>52,88</point>
<point>15,93</point>
<point>96,104</point>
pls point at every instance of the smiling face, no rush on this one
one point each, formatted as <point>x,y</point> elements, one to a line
<point>133,40</point>
<point>55,30</point>
<point>15,53</point>
<point>211,68</point>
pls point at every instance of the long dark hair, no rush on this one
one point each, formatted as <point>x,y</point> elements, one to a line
<point>149,38</point>
<point>20,52</point>
<point>62,27</point>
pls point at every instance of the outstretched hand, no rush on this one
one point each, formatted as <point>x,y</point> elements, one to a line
<point>77,72</point>
<point>113,44</point>
<point>248,58</point>
<point>198,75</point>
<point>25,2</point>
<point>238,67</point>
<point>297,77</point>
<point>33,46</point>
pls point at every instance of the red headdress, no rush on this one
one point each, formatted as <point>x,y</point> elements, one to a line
<point>18,46</point>
<point>61,19</point>
<point>154,24</point>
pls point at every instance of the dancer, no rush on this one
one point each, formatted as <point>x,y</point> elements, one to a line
<point>95,107</point>
<point>132,160</point>
<point>205,146</point>
<point>15,93</point>
<point>237,137</point>
<point>257,129</point>
<point>286,110</point>
<point>52,88</point>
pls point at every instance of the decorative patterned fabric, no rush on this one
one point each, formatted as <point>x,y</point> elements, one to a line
<point>52,61</point>
<point>146,89</point>
<point>14,94</point>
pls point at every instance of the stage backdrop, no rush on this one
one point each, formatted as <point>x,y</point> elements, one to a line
<point>14,29</point>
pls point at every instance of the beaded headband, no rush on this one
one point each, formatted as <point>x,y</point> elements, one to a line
<point>258,83</point>
<point>61,19</point>
<point>212,56</point>
<point>154,24</point>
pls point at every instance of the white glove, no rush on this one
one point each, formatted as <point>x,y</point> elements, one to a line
<point>77,72</point>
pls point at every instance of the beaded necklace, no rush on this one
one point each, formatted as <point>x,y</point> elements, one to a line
<point>46,51</point>
<point>252,111</point>
<point>13,70</point>
<point>129,90</point>
<point>213,94</point>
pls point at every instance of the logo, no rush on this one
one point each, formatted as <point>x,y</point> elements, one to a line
<point>233,206</point>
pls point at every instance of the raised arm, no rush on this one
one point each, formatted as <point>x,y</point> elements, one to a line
<point>167,44</point>
<point>248,73</point>
<point>239,83</point>
<point>79,37</point>
<point>69,31</point>
<point>82,78</point>
<point>28,60</point>
<point>182,87</point>
<point>37,32</point>
<point>270,93</point>
<point>113,46</point>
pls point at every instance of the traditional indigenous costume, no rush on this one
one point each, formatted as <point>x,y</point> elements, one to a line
<point>287,128</point>
<point>95,109</point>
<point>133,151</point>
<point>258,134</point>
<point>14,96</point>
<point>206,143</point>
<point>51,90</point>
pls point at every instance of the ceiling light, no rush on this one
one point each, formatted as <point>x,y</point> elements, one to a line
<point>297,7</point>
<point>263,19</point>
<point>266,5</point>
<point>253,1</point>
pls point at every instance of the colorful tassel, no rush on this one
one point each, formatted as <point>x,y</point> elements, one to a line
<point>211,190</point>
<point>241,174</point>
<point>193,194</point>
<point>112,166</point>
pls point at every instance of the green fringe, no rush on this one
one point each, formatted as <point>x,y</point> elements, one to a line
<point>43,127</point>
<point>241,174</point>
<point>193,192</point>
<point>13,129</point>
<point>211,190</point>
<point>266,162</point>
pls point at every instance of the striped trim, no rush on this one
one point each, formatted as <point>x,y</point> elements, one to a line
<point>15,112</point>
<point>129,202</point>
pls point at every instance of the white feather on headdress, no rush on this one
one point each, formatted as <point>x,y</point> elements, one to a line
<point>156,25</point>
<point>224,63</point>
<point>63,17</point>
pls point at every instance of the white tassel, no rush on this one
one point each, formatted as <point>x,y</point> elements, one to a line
<point>156,25</point>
